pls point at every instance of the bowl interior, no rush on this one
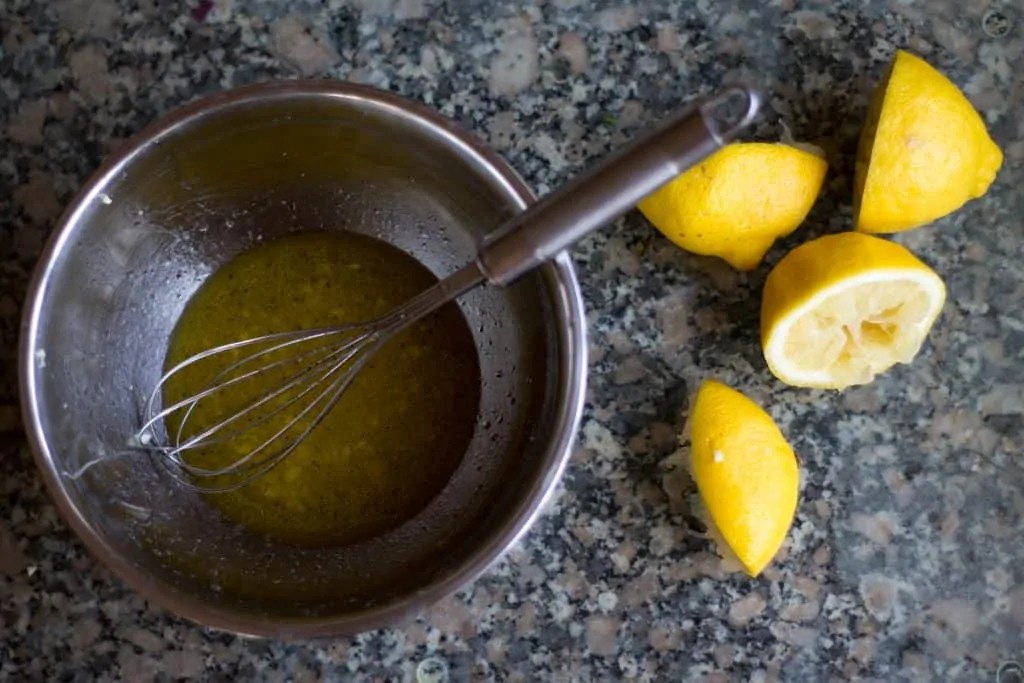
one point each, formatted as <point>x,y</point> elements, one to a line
<point>148,232</point>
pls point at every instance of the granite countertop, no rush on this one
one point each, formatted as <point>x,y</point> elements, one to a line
<point>905,562</point>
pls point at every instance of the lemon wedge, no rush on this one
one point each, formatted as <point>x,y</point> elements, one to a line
<point>923,153</point>
<point>738,201</point>
<point>746,473</point>
<point>839,310</point>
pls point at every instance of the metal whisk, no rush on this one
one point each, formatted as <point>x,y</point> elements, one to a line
<point>317,366</point>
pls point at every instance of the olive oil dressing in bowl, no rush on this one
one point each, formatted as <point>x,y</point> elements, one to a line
<point>398,432</point>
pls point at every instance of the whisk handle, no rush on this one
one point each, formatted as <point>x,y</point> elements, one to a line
<point>605,192</point>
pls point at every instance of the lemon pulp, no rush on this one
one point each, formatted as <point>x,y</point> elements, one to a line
<point>857,326</point>
<point>397,434</point>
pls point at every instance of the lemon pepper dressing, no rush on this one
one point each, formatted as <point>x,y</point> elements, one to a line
<point>399,431</point>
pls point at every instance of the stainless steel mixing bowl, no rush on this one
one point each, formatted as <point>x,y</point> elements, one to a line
<point>208,181</point>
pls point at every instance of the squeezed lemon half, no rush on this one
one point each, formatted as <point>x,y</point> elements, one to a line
<point>839,310</point>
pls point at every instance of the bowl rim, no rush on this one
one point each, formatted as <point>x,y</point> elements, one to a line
<point>571,359</point>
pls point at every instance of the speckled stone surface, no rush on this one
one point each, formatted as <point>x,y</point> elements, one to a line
<point>906,559</point>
